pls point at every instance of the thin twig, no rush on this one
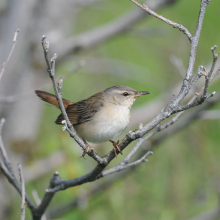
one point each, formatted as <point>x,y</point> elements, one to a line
<point>121,167</point>
<point>150,145</point>
<point>56,183</point>
<point>209,75</point>
<point>131,136</point>
<point>58,92</point>
<point>175,25</point>
<point>23,203</point>
<point>31,93</point>
<point>133,151</point>
<point>9,56</point>
<point>3,151</point>
<point>8,171</point>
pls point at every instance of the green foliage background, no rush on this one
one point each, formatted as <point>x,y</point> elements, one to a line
<point>179,181</point>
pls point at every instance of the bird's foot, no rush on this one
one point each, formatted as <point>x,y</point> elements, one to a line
<point>116,147</point>
<point>88,148</point>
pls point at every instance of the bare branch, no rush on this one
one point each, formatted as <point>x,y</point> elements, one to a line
<point>56,183</point>
<point>3,151</point>
<point>209,75</point>
<point>131,136</point>
<point>195,39</point>
<point>38,201</point>
<point>149,146</point>
<point>58,92</point>
<point>121,167</point>
<point>9,56</point>
<point>175,25</point>
<point>31,93</point>
<point>23,203</point>
<point>8,172</point>
<point>134,150</point>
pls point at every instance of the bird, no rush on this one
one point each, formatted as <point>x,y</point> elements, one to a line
<point>100,118</point>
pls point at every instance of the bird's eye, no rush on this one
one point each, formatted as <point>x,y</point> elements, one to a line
<point>125,94</point>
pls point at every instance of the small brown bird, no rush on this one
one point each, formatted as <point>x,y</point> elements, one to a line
<point>101,117</point>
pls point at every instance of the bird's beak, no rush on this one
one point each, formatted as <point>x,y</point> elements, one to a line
<point>140,93</point>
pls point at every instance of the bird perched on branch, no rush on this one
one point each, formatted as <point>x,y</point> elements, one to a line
<point>101,117</point>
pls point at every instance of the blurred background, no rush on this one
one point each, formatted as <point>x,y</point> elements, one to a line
<point>102,44</point>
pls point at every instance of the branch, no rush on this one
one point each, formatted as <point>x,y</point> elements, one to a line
<point>175,25</point>
<point>23,203</point>
<point>208,78</point>
<point>151,145</point>
<point>174,101</point>
<point>9,56</point>
<point>3,151</point>
<point>8,172</point>
<point>123,166</point>
<point>56,183</point>
<point>31,93</point>
<point>38,201</point>
<point>131,136</point>
<point>58,91</point>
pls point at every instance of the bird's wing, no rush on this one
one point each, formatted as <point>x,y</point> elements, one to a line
<point>82,111</point>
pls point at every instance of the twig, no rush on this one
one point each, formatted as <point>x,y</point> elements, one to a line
<point>133,151</point>
<point>8,172</point>
<point>3,151</point>
<point>31,93</point>
<point>58,92</point>
<point>150,145</point>
<point>38,201</point>
<point>9,56</point>
<point>56,183</point>
<point>209,76</point>
<point>175,25</point>
<point>23,203</point>
<point>131,136</point>
<point>121,167</point>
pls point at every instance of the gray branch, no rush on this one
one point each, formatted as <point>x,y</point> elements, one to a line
<point>56,183</point>
<point>58,92</point>
<point>9,56</point>
<point>6,168</point>
<point>175,25</point>
<point>185,121</point>
<point>121,167</point>
<point>23,203</point>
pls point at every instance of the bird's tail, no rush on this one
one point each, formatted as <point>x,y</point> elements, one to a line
<point>50,98</point>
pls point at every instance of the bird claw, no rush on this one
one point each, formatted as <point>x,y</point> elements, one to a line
<point>116,147</point>
<point>88,148</point>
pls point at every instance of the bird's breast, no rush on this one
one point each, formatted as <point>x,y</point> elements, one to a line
<point>106,124</point>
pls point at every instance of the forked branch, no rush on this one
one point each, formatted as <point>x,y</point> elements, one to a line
<point>57,184</point>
